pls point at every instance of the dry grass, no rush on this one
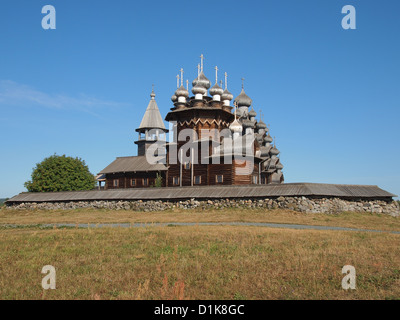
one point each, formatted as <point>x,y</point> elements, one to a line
<point>345,219</point>
<point>212,262</point>
<point>198,262</point>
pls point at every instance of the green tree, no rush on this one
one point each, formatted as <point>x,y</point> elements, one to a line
<point>60,173</point>
<point>2,201</point>
<point>158,181</point>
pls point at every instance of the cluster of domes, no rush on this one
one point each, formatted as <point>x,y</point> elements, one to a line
<point>200,86</point>
<point>245,121</point>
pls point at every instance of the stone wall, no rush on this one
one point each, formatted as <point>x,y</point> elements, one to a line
<point>301,204</point>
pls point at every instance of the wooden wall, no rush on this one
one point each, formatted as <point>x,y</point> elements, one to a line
<point>124,179</point>
<point>244,171</point>
<point>206,172</point>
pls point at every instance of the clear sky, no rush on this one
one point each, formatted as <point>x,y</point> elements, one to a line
<point>330,95</point>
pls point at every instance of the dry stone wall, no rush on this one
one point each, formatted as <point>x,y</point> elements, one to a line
<point>301,204</point>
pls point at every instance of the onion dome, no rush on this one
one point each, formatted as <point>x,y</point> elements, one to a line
<point>247,123</point>
<point>202,81</point>
<point>226,95</point>
<point>243,100</point>
<point>261,125</point>
<point>252,113</point>
<point>268,138</point>
<point>174,98</point>
<point>236,126</point>
<point>279,166</point>
<point>259,137</point>
<point>242,113</point>
<point>276,178</point>
<point>216,89</point>
<point>198,89</point>
<point>182,92</point>
<point>264,151</point>
<point>274,151</point>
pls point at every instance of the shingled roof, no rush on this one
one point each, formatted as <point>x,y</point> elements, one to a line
<point>152,118</point>
<point>212,192</point>
<point>132,164</point>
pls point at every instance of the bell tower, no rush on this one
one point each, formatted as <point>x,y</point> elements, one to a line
<point>152,128</point>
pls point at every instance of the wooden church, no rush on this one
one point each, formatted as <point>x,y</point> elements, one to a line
<point>213,143</point>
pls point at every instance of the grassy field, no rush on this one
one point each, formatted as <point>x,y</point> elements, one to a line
<point>345,219</point>
<point>198,262</point>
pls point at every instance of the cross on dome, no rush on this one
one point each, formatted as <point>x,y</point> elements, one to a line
<point>181,76</point>
<point>202,60</point>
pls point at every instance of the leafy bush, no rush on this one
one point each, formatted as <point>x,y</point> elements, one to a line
<point>2,201</point>
<point>60,173</point>
<point>158,182</point>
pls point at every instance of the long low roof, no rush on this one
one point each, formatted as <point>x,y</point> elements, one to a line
<point>132,164</point>
<point>211,192</point>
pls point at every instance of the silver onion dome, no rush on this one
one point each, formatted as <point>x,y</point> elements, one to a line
<point>216,89</point>
<point>226,95</point>
<point>259,137</point>
<point>247,123</point>
<point>236,126</point>
<point>182,92</point>
<point>243,100</point>
<point>274,151</point>
<point>202,80</point>
<point>252,113</point>
<point>198,89</point>
<point>268,138</point>
<point>279,166</point>
<point>174,98</point>
<point>264,151</point>
<point>261,125</point>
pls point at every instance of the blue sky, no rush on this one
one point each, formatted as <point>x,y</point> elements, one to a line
<point>330,95</point>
